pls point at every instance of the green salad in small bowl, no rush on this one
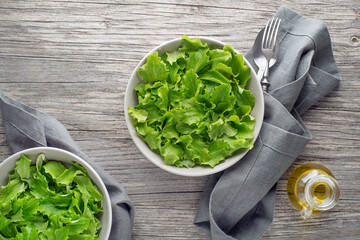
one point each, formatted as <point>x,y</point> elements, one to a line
<point>49,193</point>
<point>193,106</point>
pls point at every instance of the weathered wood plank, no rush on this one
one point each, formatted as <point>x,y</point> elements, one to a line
<point>72,60</point>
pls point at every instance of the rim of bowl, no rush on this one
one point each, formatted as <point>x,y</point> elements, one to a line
<point>37,150</point>
<point>189,172</point>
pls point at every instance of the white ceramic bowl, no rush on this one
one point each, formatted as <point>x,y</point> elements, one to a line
<point>131,101</point>
<point>8,165</point>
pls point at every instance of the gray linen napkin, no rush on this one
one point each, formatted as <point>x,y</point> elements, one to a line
<point>26,127</point>
<point>239,202</point>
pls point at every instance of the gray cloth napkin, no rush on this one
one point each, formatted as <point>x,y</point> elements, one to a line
<point>26,127</point>
<point>239,202</point>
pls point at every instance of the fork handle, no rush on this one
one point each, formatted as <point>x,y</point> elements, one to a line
<point>264,81</point>
<point>265,84</point>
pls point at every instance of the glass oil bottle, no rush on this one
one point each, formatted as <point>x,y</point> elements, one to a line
<point>312,188</point>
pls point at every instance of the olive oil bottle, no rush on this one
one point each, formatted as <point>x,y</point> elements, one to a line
<point>312,188</point>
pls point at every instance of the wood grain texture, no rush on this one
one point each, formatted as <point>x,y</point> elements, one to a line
<point>72,60</point>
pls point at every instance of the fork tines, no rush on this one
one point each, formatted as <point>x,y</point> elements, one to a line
<point>273,26</point>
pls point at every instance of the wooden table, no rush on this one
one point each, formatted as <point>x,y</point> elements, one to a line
<point>72,60</point>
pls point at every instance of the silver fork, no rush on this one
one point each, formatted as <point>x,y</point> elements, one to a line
<point>268,46</point>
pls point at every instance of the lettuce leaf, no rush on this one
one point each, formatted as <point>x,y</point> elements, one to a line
<point>14,188</point>
<point>194,108</point>
<point>154,69</point>
<point>23,168</point>
<point>191,83</point>
<point>190,45</point>
<point>174,56</point>
<point>197,60</point>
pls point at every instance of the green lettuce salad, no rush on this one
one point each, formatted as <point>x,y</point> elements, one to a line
<point>49,201</point>
<point>193,106</point>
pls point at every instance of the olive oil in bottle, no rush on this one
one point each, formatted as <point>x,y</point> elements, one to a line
<point>312,188</point>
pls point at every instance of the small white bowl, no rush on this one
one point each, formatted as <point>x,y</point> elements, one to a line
<point>131,101</point>
<point>56,154</point>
